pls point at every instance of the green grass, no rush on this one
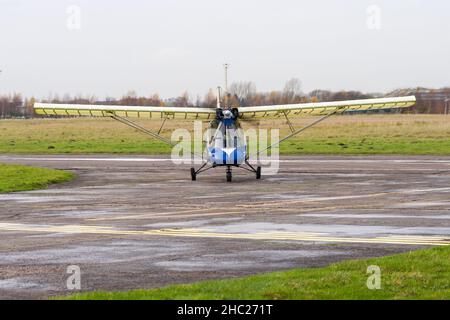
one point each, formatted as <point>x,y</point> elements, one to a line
<point>423,274</point>
<point>386,146</point>
<point>22,178</point>
<point>361,134</point>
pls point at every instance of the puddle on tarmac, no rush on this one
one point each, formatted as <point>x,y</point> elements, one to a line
<point>281,179</point>
<point>48,235</point>
<point>309,197</point>
<point>207,197</point>
<point>246,260</point>
<point>285,196</point>
<point>190,223</point>
<point>346,175</point>
<point>30,198</point>
<point>419,204</point>
<point>331,229</point>
<point>115,252</point>
<point>373,216</point>
<point>355,183</point>
<point>22,283</point>
<point>107,187</point>
<point>80,214</point>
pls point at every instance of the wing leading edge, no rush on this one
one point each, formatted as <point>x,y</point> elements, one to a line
<point>323,108</point>
<point>124,111</point>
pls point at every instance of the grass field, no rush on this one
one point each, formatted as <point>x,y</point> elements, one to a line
<point>21,178</point>
<point>421,274</point>
<point>356,134</point>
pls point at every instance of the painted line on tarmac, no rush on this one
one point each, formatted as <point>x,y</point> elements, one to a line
<point>271,203</point>
<point>401,161</point>
<point>199,233</point>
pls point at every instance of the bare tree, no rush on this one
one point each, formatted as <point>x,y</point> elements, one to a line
<point>209,101</point>
<point>182,101</point>
<point>292,90</point>
<point>243,91</point>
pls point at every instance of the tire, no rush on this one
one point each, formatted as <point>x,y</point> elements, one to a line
<point>193,175</point>
<point>258,173</point>
<point>229,176</point>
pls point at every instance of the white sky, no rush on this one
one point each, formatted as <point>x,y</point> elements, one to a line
<point>174,45</point>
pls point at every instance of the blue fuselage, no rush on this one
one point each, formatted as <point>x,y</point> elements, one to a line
<point>227,146</point>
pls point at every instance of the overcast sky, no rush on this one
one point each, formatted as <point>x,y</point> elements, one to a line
<point>169,46</point>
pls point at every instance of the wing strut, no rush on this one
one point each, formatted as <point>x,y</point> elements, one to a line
<point>134,125</point>
<point>162,125</point>
<point>294,133</point>
<point>289,122</point>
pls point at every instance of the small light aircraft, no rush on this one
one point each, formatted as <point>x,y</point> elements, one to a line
<point>227,146</point>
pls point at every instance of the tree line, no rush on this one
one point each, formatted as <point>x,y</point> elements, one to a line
<point>241,94</point>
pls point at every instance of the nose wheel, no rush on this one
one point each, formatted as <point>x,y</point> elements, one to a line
<point>258,173</point>
<point>229,174</point>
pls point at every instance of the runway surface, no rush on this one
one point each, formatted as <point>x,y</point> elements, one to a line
<point>139,222</point>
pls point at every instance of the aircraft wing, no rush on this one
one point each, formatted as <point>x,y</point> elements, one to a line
<point>125,111</point>
<point>274,111</point>
<point>324,108</point>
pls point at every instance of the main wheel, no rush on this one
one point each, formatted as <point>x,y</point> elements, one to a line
<point>258,173</point>
<point>229,176</point>
<point>193,174</point>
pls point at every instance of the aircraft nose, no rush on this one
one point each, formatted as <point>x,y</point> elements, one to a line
<point>227,114</point>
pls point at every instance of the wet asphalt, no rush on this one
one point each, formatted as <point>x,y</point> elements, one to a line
<point>132,222</point>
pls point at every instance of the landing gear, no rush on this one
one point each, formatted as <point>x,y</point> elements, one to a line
<point>194,173</point>
<point>258,173</point>
<point>229,175</point>
<point>250,168</point>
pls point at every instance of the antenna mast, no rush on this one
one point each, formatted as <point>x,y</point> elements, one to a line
<point>218,98</point>
<point>226,66</point>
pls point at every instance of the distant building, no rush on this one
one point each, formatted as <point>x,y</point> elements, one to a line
<point>428,100</point>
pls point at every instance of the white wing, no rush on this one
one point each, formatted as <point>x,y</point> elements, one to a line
<point>124,111</point>
<point>323,108</point>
